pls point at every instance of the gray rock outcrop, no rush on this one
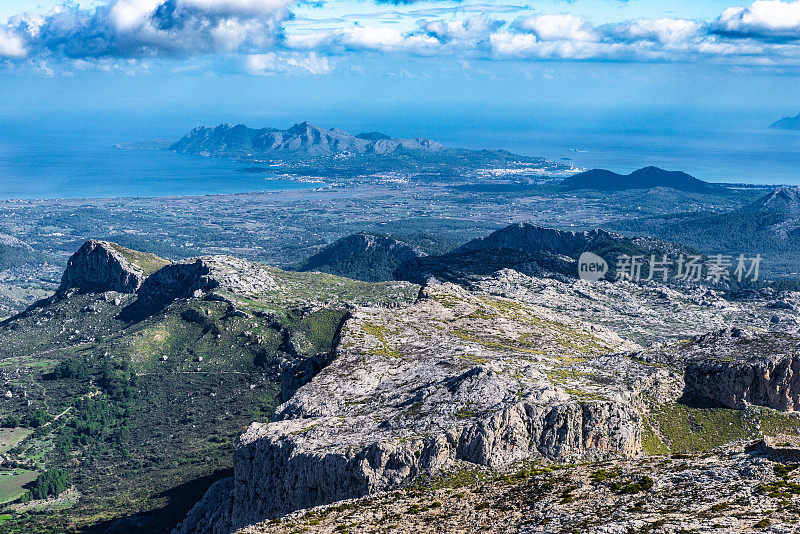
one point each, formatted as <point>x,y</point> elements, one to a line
<point>453,380</point>
<point>515,368</point>
<point>100,266</point>
<point>735,369</point>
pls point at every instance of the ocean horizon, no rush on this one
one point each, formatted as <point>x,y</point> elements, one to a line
<point>51,157</point>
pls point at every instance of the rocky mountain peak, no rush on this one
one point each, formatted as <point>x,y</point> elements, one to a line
<point>785,200</point>
<point>531,238</point>
<point>104,266</point>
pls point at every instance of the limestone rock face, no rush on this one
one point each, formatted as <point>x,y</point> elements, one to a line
<point>514,368</point>
<point>100,266</point>
<point>184,278</point>
<point>456,379</point>
<point>735,369</point>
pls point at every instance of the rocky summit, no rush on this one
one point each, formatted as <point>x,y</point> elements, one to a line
<point>102,266</point>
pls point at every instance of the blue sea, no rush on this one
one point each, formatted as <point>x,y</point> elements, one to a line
<point>74,155</point>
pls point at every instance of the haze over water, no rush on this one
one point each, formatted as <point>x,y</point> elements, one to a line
<point>69,156</point>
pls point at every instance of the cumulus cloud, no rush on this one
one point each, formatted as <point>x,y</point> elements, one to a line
<point>764,19</point>
<point>665,31</point>
<point>11,45</point>
<point>273,63</point>
<point>143,28</point>
<point>263,37</point>
<point>557,28</point>
<point>369,38</point>
<point>471,29</point>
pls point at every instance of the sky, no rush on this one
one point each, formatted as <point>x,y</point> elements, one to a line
<point>467,59</point>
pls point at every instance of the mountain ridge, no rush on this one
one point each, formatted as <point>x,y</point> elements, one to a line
<point>362,256</point>
<point>644,178</point>
<point>787,123</point>
<point>300,139</point>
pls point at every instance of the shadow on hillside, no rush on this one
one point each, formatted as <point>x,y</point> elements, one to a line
<point>180,500</point>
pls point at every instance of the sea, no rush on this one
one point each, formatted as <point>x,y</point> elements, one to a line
<point>69,155</point>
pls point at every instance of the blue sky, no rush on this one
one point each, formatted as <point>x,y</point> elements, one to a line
<point>223,56</point>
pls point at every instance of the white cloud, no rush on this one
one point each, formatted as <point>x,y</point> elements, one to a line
<point>557,28</point>
<point>272,63</point>
<point>472,28</point>
<point>263,36</point>
<point>665,31</point>
<point>152,28</point>
<point>370,38</point>
<point>764,19</point>
<point>11,45</point>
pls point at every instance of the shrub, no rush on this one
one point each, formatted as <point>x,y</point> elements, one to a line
<point>49,484</point>
<point>72,368</point>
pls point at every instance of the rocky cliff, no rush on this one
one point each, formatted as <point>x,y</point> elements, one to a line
<point>456,379</point>
<point>102,266</point>
<point>736,368</point>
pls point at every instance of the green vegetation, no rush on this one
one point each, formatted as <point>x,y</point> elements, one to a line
<point>116,407</point>
<point>454,479</point>
<point>33,418</point>
<point>601,475</point>
<point>631,488</point>
<point>701,429</point>
<point>651,442</point>
<point>49,484</point>
<point>683,429</point>
<point>146,262</point>
<point>72,368</point>
<point>11,437</point>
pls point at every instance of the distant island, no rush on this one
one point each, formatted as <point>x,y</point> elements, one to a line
<point>646,178</point>
<point>334,154</point>
<point>301,139</point>
<point>787,123</point>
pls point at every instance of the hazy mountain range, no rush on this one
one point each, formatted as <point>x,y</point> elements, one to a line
<point>301,139</point>
<point>787,123</point>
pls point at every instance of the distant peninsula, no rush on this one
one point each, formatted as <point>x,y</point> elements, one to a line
<point>301,139</point>
<point>646,178</point>
<point>334,154</point>
<point>787,123</point>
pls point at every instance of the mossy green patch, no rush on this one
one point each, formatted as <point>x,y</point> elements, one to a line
<point>652,443</point>
<point>144,261</point>
<point>690,429</point>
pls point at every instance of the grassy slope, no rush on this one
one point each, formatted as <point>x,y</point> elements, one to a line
<point>150,420</point>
